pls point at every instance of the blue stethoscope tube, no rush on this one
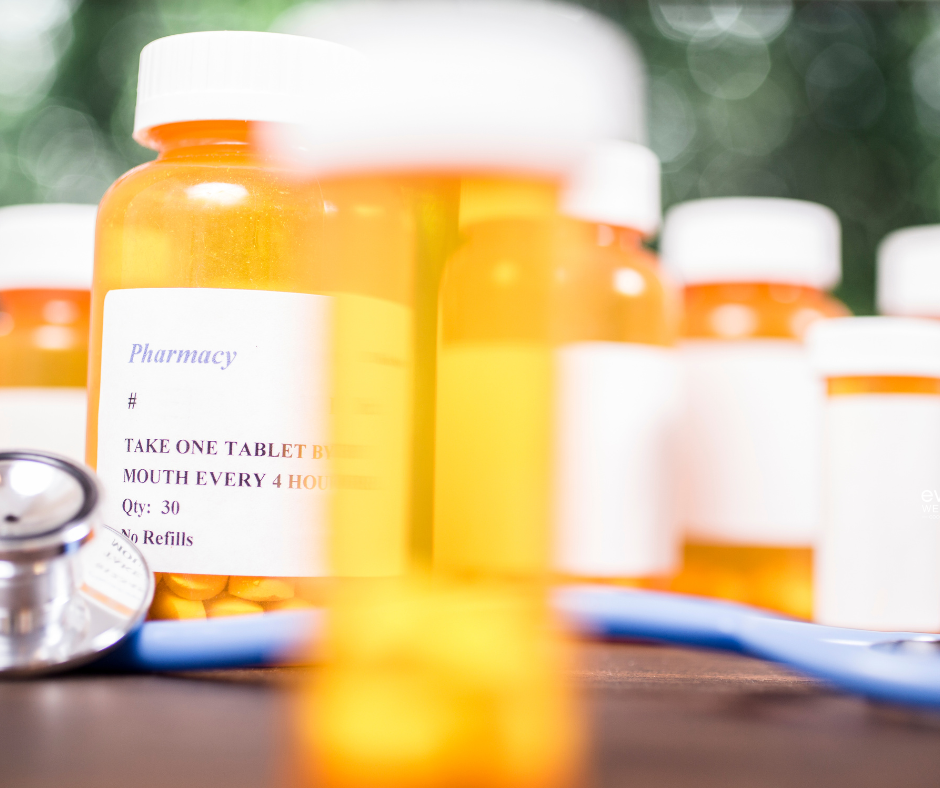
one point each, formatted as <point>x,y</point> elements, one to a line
<point>854,660</point>
<point>216,643</point>
<point>858,661</point>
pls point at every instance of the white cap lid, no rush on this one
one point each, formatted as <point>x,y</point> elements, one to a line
<point>752,239</point>
<point>909,272</point>
<point>617,184</point>
<point>519,85</point>
<point>47,247</point>
<point>233,75</point>
<point>875,346</point>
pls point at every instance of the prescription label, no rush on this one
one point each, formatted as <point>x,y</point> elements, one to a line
<point>751,443</point>
<point>212,428</point>
<point>878,557</point>
<point>45,418</point>
<point>617,413</point>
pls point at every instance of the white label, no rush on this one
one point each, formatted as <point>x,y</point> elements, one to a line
<point>878,559</point>
<point>618,405</point>
<point>751,442</point>
<point>212,428</point>
<point>49,418</point>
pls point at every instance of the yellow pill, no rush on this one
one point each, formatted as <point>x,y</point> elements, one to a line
<point>167,605</point>
<point>289,604</point>
<point>261,589</point>
<point>227,605</point>
<point>195,586</point>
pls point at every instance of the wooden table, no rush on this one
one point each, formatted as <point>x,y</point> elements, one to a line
<point>663,718</point>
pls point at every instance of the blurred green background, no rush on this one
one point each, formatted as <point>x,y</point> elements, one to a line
<point>835,102</point>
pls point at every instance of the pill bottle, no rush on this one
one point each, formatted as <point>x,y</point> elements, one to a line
<point>496,376</point>
<point>909,273</point>
<point>877,563</point>
<point>223,286</point>
<point>754,273</point>
<point>488,128</point>
<point>617,401</point>
<point>463,681</point>
<point>46,259</point>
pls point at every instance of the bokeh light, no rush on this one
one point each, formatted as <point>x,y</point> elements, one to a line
<point>836,102</point>
<point>33,33</point>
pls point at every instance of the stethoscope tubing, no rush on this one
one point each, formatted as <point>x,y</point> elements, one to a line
<point>217,643</point>
<point>843,657</point>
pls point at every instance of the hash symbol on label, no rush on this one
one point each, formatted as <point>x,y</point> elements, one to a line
<point>132,400</point>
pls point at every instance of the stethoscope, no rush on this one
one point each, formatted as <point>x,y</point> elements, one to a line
<point>70,589</point>
<point>74,592</point>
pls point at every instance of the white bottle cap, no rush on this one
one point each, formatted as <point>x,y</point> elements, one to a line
<point>617,184</point>
<point>909,272</point>
<point>233,75</point>
<point>848,346</point>
<point>508,85</point>
<point>47,247</point>
<point>752,239</point>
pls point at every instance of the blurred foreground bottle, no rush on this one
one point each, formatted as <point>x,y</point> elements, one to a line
<point>454,677</point>
<point>754,272</point>
<point>878,560</point>
<point>46,259</point>
<point>909,272</point>
<point>440,683</point>
<point>618,378</point>
<point>221,280</point>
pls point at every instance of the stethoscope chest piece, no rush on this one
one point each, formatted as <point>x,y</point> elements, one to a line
<point>70,588</point>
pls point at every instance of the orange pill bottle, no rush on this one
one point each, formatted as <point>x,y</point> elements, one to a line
<point>454,677</point>
<point>45,278</point>
<point>754,273</point>
<point>877,563</point>
<point>618,390</point>
<point>221,282</point>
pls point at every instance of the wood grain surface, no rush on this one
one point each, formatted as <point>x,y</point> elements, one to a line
<point>662,718</point>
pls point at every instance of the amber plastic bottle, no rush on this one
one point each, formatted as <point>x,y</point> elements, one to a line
<point>460,682</point>
<point>45,278</point>
<point>496,380</point>
<point>754,271</point>
<point>223,286</point>
<point>618,389</point>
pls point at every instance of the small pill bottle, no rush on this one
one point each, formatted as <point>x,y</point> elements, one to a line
<point>877,563</point>
<point>224,288</point>
<point>754,273</point>
<point>495,385</point>
<point>909,273</point>
<point>46,259</point>
<point>618,386</point>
